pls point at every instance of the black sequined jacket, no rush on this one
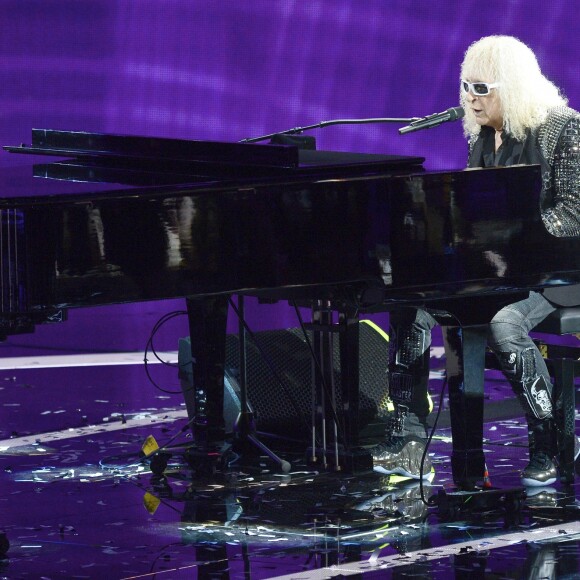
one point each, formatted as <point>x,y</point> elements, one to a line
<point>555,146</point>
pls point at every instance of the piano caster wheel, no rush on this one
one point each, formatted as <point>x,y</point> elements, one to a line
<point>159,463</point>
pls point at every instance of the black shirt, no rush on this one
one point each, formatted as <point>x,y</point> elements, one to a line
<point>508,154</point>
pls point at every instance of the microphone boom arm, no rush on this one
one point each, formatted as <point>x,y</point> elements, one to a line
<point>298,130</point>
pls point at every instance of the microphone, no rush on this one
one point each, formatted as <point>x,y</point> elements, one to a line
<point>433,120</point>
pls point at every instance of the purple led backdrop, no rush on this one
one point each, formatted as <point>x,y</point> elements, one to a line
<point>226,70</point>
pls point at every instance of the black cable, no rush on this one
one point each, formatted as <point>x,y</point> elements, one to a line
<point>425,451</point>
<point>165,318</point>
<point>150,346</point>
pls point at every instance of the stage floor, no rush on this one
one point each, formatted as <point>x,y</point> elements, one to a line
<point>79,501</point>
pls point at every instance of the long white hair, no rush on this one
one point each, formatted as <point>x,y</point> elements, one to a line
<point>526,95</point>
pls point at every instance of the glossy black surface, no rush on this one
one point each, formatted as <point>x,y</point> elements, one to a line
<point>127,219</point>
<point>154,160</point>
<point>79,501</point>
<point>446,234</point>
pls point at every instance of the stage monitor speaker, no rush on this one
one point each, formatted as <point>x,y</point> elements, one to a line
<point>279,382</point>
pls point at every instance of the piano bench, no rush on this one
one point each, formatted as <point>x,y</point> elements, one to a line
<point>564,364</point>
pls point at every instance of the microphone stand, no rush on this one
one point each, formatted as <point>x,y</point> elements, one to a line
<point>298,130</point>
<point>245,427</point>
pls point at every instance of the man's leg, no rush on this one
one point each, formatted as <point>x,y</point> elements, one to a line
<point>410,341</point>
<point>526,371</point>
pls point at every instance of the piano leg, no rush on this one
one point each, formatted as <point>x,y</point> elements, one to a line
<point>350,371</point>
<point>465,362</point>
<point>339,426</point>
<point>565,410</point>
<point>325,413</point>
<point>207,330</point>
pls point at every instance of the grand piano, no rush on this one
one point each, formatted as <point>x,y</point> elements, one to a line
<point>104,219</point>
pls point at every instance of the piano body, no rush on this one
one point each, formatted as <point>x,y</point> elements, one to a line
<point>110,219</point>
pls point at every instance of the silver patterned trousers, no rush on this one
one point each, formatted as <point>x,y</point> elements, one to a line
<point>519,357</point>
<point>508,336</point>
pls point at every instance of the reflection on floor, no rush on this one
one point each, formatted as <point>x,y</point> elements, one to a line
<point>79,501</point>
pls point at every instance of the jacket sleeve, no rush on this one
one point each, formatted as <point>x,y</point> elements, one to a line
<point>562,218</point>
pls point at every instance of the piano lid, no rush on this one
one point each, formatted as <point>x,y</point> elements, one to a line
<point>95,163</point>
<point>195,157</point>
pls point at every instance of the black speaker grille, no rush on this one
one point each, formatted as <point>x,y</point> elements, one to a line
<point>279,375</point>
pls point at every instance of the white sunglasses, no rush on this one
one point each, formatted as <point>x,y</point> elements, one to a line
<point>479,89</point>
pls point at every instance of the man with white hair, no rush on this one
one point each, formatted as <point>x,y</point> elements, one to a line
<point>513,115</point>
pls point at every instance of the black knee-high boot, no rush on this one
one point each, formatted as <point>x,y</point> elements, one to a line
<point>403,449</point>
<point>410,397</point>
<point>543,444</point>
<point>534,390</point>
<point>409,358</point>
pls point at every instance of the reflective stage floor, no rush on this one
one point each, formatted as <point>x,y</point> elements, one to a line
<point>80,501</point>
